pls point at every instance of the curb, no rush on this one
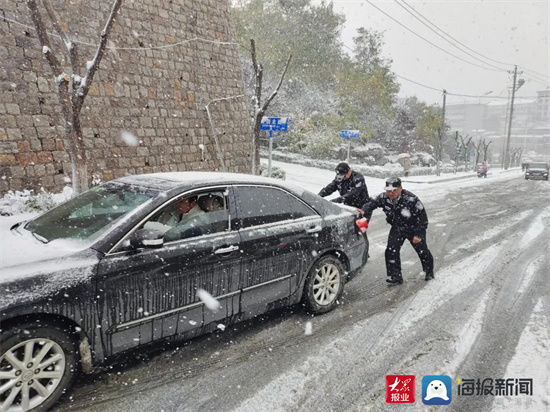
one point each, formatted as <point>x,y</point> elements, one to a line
<point>448,179</point>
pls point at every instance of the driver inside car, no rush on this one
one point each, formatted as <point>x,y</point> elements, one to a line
<point>177,214</point>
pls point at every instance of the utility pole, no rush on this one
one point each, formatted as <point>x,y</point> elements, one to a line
<point>503,151</point>
<point>440,136</point>
<point>507,153</point>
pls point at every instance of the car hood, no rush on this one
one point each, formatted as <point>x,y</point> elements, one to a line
<point>30,269</point>
<point>21,247</point>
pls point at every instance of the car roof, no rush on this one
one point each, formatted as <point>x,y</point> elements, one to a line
<point>179,180</point>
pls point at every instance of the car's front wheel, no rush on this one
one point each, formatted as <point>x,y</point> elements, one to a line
<point>37,365</point>
<point>324,285</point>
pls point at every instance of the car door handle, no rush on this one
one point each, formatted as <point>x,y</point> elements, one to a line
<point>227,249</point>
<point>314,229</point>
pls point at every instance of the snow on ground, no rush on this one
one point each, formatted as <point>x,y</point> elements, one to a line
<point>283,392</point>
<point>428,187</point>
<point>467,337</point>
<point>529,273</point>
<point>498,229</point>
<point>290,385</point>
<point>532,349</point>
<point>537,227</point>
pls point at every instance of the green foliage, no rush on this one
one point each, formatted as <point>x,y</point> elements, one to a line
<point>309,32</point>
<point>326,90</point>
<point>429,125</point>
<point>321,146</point>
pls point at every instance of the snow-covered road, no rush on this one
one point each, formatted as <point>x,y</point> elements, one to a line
<point>486,315</point>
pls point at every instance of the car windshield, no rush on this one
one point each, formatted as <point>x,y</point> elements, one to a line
<point>538,166</point>
<point>89,215</point>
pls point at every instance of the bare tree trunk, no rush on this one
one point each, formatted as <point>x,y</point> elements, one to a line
<point>259,109</point>
<point>485,149</point>
<point>257,125</point>
<point>477,147</point>
<point>71,89</point>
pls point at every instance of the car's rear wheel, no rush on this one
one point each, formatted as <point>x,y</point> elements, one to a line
<point>37,365</point>
<point>324,285</point>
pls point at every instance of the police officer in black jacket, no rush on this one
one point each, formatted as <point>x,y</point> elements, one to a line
<point>350,184</point>
<point>408,219</point>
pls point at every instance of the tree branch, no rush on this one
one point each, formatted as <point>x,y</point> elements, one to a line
<point>71,47</point>
<point>92,68</point>
<point>43,38</point>
<point>266,104</point>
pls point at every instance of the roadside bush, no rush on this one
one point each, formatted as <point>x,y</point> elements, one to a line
<point>276,172</point>
<point>27,201</point>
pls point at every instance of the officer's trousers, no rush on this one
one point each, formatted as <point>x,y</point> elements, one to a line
<point>393,260</point>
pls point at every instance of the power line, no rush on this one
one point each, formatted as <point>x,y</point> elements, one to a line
<point>448,93</point>
<point>162,46</point>
<point>428,41</point>
<point>412,12</point>
<point>545,76</point>
<point>419,84</point>
<point>534,73</point>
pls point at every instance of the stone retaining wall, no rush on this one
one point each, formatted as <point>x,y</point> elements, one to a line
<point>157,94</point>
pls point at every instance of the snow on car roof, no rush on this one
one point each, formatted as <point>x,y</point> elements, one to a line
<point>175,179</point>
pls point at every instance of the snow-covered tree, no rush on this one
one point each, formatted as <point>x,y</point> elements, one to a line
<point>72,83</point>
<point>259,107</point>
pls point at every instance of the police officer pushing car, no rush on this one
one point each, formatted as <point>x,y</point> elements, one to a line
<point>408,219</point>
<point>350,184</point>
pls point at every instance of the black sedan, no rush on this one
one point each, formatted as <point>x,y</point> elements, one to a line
<point>161,256</point>
<point>536,171</point>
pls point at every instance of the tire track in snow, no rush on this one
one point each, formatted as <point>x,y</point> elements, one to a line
<point>536,228</point>
<point>468,335</point>
<point>532,349</point>
<point>286,391</point>
<point>530,272</point>
<point>493,232</point>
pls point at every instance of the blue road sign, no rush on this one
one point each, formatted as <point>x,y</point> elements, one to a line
<point>278,124</point>
<point>349,134</point>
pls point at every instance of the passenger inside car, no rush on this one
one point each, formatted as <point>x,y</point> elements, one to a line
<point>192,216</point>
<point>211,203</point>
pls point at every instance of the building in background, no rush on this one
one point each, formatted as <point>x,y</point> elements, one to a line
<point>530,125</point>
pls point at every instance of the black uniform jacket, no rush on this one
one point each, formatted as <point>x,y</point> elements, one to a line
<point>353,191</point>
<point>407,213</point>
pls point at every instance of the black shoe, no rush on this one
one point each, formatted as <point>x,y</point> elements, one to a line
<point>394,281</point>
<point>429,275</point>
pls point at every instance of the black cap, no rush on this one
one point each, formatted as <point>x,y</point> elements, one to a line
<point>393,183</point>
<point>342,168</point>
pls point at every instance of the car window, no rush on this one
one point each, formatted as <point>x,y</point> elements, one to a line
<point>259,205</point>
<point>538,166</point>
<point>190,216</point>
<point>90,214</point>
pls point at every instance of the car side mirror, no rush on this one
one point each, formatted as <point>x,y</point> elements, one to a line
<point>147,238</point>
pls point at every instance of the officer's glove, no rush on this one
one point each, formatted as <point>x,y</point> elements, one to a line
<point>338,200</point>
<point>362,224</point>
